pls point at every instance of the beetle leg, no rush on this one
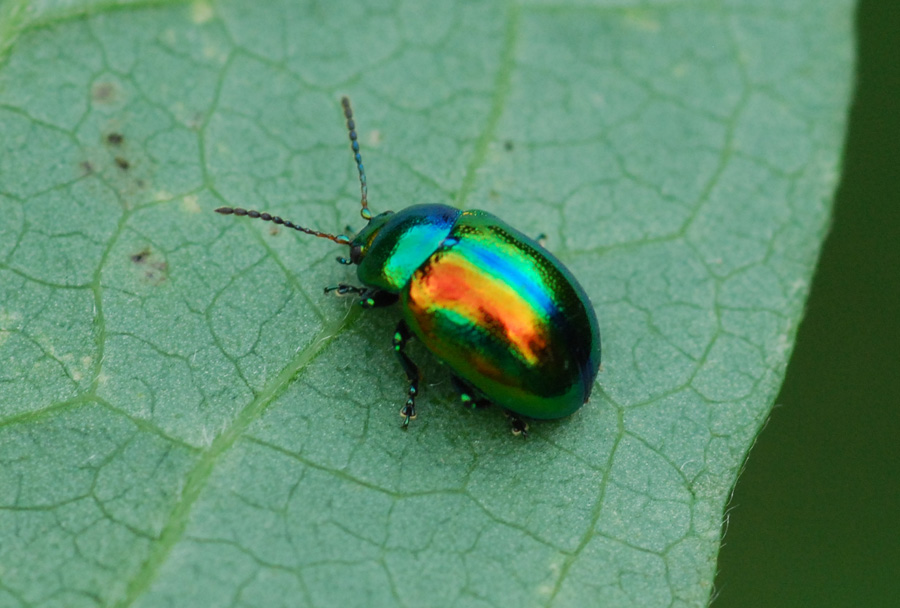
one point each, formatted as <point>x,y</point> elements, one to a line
<point>370,298</point>
<point>519,426</point>
<point>343,289</point>
<point>469,396</point>
<point>375,298</point>
<point>401,337</point>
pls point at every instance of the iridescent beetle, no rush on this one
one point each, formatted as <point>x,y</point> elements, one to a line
<point>507,317</point>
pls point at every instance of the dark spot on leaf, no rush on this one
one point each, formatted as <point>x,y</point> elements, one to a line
<point>104,92</point>
<point>196,121</point>
<point>87,167</point>
<point>140,183</point>
<point>508,145</point>
<point>156,273</point>
<point>122,163</point>
<point>115,139</point>
<point>141,256</point>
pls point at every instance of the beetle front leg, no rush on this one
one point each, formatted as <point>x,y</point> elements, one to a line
<point>342,289</point>
<point>401,337</point>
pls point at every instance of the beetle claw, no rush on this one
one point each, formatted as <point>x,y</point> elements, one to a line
<point>408,412</point>
<point>519,426</point>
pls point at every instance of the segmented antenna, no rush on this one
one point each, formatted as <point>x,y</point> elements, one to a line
<point>340,239</point>
<point>351,127</point>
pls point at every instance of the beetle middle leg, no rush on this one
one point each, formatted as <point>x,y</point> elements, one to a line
<point>401,337</point>
<point>369,298</point>
<point>472,398</point>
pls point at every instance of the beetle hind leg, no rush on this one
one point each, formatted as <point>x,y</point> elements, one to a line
<point>401,337</point>
<point>517,425</point>
<point>468,395</point>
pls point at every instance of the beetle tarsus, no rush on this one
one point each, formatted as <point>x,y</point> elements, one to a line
<point>343,289</point>
<point>518,426</point>
<point>408,412</point>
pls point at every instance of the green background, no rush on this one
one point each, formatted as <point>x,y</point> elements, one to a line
<point>814,518</point>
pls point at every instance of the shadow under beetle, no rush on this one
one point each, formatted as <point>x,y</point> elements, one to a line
<point>507,317</point>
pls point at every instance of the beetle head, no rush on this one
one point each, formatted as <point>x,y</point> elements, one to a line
<point>360,244</point>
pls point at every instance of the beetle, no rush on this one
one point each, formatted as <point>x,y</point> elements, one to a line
<point>504,314</point>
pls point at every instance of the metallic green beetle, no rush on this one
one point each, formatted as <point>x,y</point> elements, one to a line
<point>506,316</point>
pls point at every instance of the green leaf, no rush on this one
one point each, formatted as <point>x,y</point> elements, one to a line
<point>185,419</point>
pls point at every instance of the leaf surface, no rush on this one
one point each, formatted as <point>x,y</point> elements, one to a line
<point>186,420</point>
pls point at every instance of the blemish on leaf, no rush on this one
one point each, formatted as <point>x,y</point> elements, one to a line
<point>141,256</point>
<point>155,272</point>
<point>201,12</point>
<point>508,145</point>
<point>122,163</point>
<point>86,166</point>
<point>10,318</point>
<point>196,121</point>
<point>104,92</point>
<point>115,139</point>
<point>191,203</point>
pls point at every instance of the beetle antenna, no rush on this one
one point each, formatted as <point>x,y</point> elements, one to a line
<point>340,239</point>
<point>354,144</point>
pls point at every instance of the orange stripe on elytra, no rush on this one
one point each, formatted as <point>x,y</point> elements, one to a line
<point>455,284</point>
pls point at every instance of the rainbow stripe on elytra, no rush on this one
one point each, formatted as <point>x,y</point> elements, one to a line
<point>457,285</point>
<point>478,283</point>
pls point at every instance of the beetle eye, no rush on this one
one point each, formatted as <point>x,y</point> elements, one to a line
<point>355,254</point>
